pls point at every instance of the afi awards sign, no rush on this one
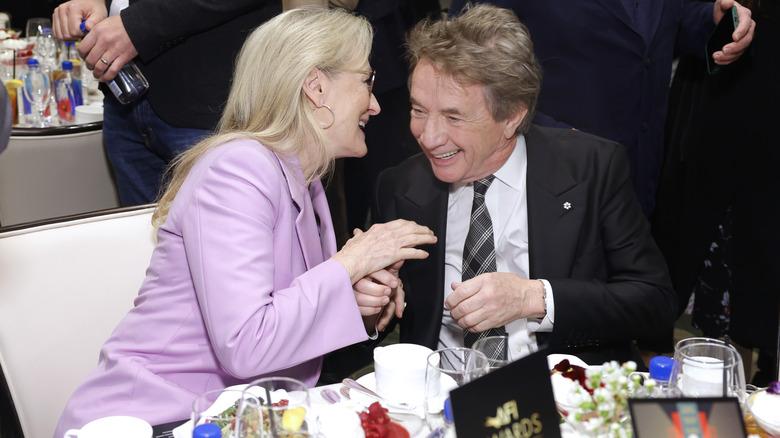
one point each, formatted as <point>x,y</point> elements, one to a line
<point>515,401</point>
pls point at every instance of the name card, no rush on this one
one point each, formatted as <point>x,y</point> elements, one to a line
<point>708,417</point>
<point>515,401</point>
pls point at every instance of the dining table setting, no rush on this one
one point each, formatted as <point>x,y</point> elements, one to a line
<point>414,392</point>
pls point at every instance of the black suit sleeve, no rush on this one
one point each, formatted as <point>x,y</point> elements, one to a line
<point>619,286</point>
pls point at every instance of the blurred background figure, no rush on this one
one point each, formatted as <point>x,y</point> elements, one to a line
<point>186,50</point>
<point>718,206</point>
<point>607,67</point>
<point>5,118</point>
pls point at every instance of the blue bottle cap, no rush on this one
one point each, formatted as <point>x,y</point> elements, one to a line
<point>208,430</point>
<point>67,65</point>
<point>661,368</point>
<point>83,27</point>
<point>448,410</point>
<point>32,61</point>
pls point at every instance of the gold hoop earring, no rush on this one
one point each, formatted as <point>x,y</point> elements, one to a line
<point>332,115</point>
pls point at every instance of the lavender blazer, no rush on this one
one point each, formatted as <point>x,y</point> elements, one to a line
<point>240,286</point>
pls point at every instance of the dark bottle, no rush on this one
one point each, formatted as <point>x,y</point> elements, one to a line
<point>129,84</point>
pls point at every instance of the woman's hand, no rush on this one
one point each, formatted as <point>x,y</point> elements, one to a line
<point>383,245</point>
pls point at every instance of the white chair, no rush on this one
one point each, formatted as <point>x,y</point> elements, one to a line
<point>64,286</point>
<point>48,176</point>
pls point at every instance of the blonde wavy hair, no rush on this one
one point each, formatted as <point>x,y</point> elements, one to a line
<point>267,102</point>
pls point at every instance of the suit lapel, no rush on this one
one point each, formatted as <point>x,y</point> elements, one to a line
<point>425,202</point>
<point>616,8</point>
<point>556,207</point>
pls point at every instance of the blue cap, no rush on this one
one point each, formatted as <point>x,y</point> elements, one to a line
<point>448,410</point>
<point>83,27</point>
<point>661,368</point>
<point>32,61</point>
<point>208,430</point>
<point>67,65</point>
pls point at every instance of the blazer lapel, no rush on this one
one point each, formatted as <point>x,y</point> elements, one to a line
<point>556,207</point>
<point>306,225</point>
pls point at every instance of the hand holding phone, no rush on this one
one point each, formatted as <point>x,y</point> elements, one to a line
<point>721,36</point>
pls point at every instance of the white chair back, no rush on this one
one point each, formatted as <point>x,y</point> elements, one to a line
<point>64,286</point>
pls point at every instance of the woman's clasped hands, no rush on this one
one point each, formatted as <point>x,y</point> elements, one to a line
<point>373,259</point>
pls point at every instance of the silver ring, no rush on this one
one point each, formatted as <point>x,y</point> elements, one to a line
<point>104,61</point>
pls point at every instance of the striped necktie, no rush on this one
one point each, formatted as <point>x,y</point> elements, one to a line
<point>479,255</point>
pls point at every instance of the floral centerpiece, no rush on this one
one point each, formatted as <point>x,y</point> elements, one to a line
<point>594,401</point>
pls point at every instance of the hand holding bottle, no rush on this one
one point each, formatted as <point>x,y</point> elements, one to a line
<point>128,82</point>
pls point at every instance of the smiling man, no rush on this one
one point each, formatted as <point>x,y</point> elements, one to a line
<point>540,234</point>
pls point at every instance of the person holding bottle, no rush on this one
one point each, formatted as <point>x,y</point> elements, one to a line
<point>245,281</point>
<point>185,49</point>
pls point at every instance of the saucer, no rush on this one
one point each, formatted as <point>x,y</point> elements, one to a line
<point>446,382</point>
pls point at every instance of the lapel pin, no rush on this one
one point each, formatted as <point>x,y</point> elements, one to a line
<point>567,205</point>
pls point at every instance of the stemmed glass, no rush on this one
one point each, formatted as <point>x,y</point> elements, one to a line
<point>286,409</point>
<point>35,27</point>
<point>37,90</point>
<point>446,370</point>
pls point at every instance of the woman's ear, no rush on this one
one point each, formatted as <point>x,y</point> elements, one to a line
<point>312,86</point>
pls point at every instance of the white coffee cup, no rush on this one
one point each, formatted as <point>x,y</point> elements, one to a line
<point>399,370</point>
<point>115,427</point>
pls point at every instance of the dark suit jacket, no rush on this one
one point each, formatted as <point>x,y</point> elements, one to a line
<point>602,76</point>
<point>187,51</point>
<point>609,279</point>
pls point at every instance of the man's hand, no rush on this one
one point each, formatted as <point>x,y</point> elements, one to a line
<point>106,48</point>
<point>742,36</point>
<point>495,299</point>
<point>380,296</point>
<point>68,16</point>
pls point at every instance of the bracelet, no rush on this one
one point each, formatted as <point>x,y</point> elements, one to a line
<point>544,297</point>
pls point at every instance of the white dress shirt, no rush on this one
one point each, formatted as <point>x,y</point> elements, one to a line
<point>506,203</point>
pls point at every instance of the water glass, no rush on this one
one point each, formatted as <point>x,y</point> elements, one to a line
<point>496,348</point>
<point>446,370</point>
<point>226,408</point>
<point>708,369</point>
<point>286,409</point>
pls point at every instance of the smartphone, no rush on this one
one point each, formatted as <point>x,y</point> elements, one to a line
<point>720,37</point>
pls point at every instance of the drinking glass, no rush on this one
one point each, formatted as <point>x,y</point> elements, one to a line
<point>708,369</point>
<point>496,348</point>
<point>37,90</point>
<point>226,408</point>
<point>35,27</point>
<point>286,409</point>
<point>446,370</point>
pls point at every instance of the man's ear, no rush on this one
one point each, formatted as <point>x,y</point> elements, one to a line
<point>513,121</point>
<point>312,86</point>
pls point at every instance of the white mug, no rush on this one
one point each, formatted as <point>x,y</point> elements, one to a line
<point>115,427</point>
<point>399,370</point>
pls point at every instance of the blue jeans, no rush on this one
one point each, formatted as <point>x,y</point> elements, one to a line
<point>139,145</point>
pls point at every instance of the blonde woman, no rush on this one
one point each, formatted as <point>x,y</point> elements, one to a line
<point>245,280</point>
